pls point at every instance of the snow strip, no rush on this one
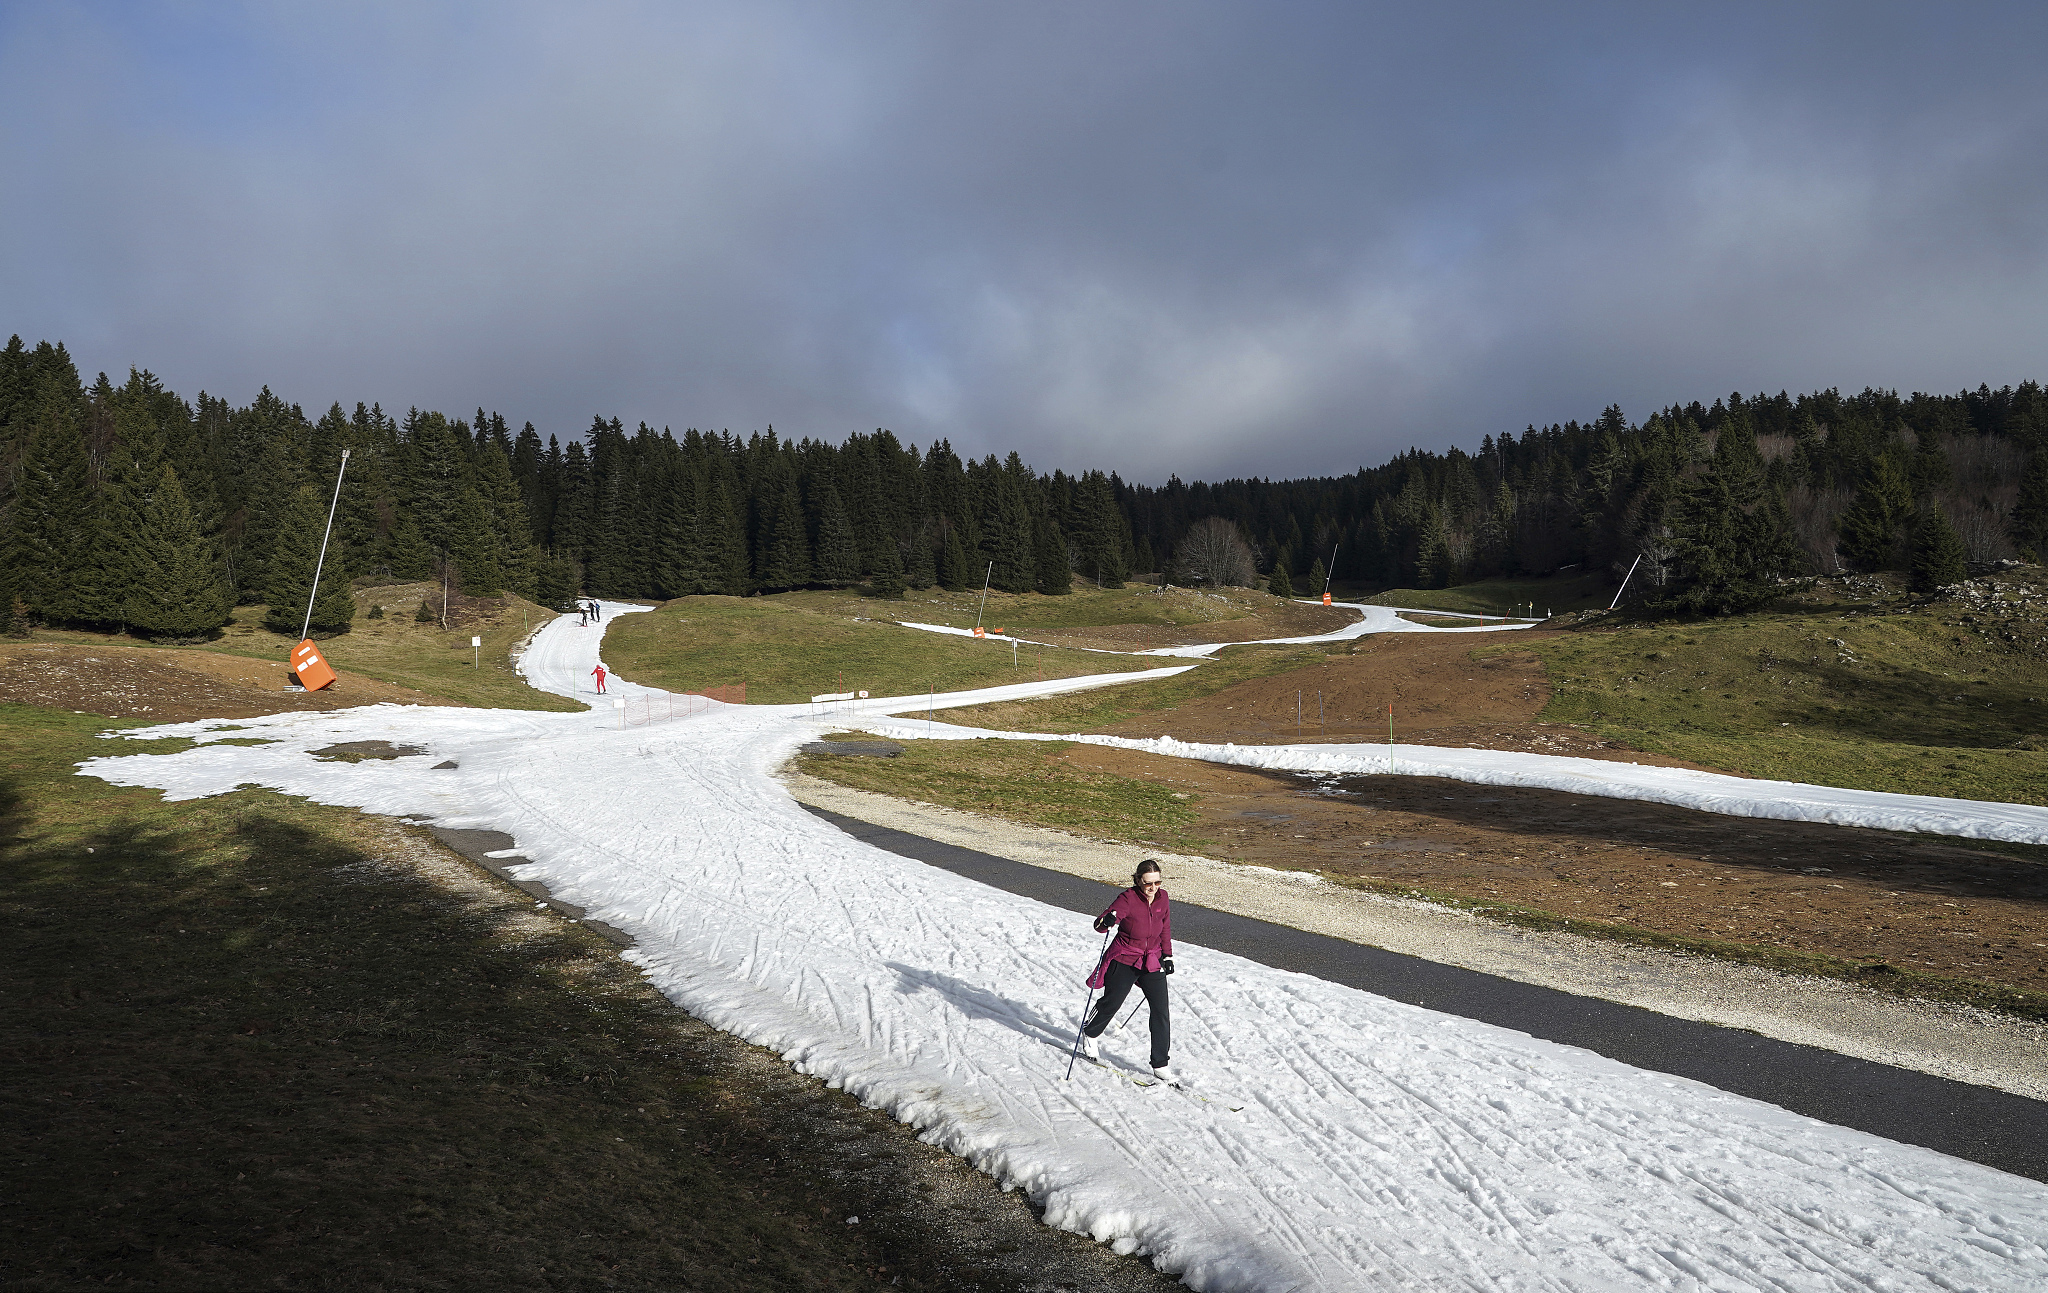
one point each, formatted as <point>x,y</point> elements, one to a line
<point>1381,1145</point>
<point>1371,619</point>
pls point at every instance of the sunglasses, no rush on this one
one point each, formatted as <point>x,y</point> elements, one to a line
<point>1150,884</point>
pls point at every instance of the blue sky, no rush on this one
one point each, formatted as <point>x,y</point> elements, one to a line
<point>1211,239</point>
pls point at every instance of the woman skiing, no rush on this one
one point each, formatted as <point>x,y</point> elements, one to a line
<point>1141,954</point>
<point>599,672</point>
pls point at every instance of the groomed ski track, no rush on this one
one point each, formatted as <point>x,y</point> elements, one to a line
<point>1383,1145</point>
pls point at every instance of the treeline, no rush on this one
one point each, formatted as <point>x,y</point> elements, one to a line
<point>1712,506</point>
<point>130,507</point>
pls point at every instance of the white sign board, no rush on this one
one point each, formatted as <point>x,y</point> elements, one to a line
<point>476,642</point>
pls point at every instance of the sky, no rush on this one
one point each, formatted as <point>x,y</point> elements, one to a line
<point>1257,239</point>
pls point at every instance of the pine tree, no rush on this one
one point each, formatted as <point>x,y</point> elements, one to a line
<point>954,571</point>
<point>837,562</point>
<point>554,581</point>
<point>1726,559</point>
<point>1318,579</point>
<point>1871,528</point>
<point>921,571</point>
<point>1278,583</point>
<point>180,585</point>
<point>292,565</point>
<point>474,546</point>
<point>785,550</point>
<point>1051,573</point>
<point>1937,552</point>
<point>888,575</point>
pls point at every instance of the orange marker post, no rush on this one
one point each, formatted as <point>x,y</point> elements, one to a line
<point>313,670</point>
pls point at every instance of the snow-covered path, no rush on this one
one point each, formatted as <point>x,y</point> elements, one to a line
<point>1381,1145</point>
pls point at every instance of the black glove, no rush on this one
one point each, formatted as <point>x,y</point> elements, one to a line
<point>1103,922</point>
<point>1166,964</point>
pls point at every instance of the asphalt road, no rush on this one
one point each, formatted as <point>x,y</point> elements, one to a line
<point>2000,1130</point>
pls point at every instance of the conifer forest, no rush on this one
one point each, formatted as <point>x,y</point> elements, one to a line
<point>128,506</point>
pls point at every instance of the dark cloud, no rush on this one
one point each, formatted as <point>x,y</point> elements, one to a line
<point>1242,239</point>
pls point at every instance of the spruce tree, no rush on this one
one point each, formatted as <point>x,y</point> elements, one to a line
<point>785,549</point>
<point>888,576</point>
<point>474,544</point>
<point>954,571</point>
<point>1278,583</point>
<point>837,563</point>
<point>1318,579</point>
<point>180,584</point>
<point>1937,552</point>
<point>921,571</point>
<point>292,564</point>
<point>1726,559</point>
<point>1871,528</point>
<point>1051,573</point>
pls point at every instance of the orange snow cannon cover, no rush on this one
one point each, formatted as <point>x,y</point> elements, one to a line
<point>1326,599</point>
<point>313,670</point>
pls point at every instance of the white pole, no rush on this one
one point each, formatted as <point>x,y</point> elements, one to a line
<point>1330,574</point>
<point>321,564</point>
<point>1624,581</point>
<point>984,592</point>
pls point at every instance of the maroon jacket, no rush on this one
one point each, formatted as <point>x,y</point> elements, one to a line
<point>1144,933</point>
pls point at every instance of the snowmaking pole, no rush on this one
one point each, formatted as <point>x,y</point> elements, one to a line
<point>322,563</point>
<point>986,575</point>
<point>307,666</point>
<point>1075,1053</point>
<point>1624,582</point>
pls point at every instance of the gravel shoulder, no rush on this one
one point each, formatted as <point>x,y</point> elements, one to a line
<point>1955,1042</point>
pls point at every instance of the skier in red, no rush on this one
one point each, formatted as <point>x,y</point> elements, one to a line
<point>599,671</point>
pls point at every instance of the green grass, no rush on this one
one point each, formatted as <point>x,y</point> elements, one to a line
<point>1024,781</point>
<point>397,650</point>
<point>1085,607</point>
<point>1092,711</point>
<point>787,650</point>
<point>1557,593</point>
<point>244,1052</point>
<point>1898,702</point>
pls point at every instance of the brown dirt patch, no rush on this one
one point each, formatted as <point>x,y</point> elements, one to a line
<point>1922,904</point>
<point>173,686</point>
<point>1440,695</point>
<point>1277,619</point>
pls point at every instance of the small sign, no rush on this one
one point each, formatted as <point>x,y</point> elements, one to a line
<point>477,642</point>
<point>863,695</point>
<point>980,633</point>
<point>618,704</point>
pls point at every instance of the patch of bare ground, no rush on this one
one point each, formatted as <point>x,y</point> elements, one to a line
<point>1920,904</point>
<point>174,686</point>
<point>1266,617</point>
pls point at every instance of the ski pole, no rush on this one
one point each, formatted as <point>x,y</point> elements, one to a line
<point>1075,1053</point>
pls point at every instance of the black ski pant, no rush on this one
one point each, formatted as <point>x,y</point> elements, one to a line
<point>1116,986</point>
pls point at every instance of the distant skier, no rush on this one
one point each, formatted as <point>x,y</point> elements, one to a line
<point>599,671</point>
<point>596,611</point>
<point>582,615</point>
<point>1141,954</point>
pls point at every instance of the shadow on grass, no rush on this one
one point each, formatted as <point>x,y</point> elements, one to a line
<point>245,1052</point>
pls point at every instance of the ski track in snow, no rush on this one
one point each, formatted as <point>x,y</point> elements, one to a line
<point>1381,1145</point>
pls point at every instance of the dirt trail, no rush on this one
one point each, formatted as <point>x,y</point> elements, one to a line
<point>173,686</point>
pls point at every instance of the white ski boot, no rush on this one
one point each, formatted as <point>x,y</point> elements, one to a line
<point>1091,1048</point>
<point>1165,1074</point>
